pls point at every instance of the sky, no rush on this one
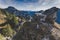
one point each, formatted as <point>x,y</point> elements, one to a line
<point>30,4</point>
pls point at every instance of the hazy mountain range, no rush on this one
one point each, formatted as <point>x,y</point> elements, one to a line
<point>23,13</point>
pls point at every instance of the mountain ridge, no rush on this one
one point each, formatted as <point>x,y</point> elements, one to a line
<point>41,23</point>
<point>23,13</point>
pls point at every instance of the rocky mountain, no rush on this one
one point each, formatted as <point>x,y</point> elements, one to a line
<point>30,25</point>
<point>42,27</point>
<point>51,14</point>
<point>58,15</point>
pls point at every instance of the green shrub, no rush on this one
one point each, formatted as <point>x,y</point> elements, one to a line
<point>15,20</point>
<point>8,31</point>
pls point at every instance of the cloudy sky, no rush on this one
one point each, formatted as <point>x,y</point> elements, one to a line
<point>30,4</point>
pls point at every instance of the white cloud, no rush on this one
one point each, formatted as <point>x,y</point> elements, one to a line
<point>40,5</point>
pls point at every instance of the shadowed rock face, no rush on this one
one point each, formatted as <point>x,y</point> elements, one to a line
<point>51,15</point>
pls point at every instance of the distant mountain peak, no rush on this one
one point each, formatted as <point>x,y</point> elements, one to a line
<point>11,8</point>
<point>55,8</point>
<point>51,10</point>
